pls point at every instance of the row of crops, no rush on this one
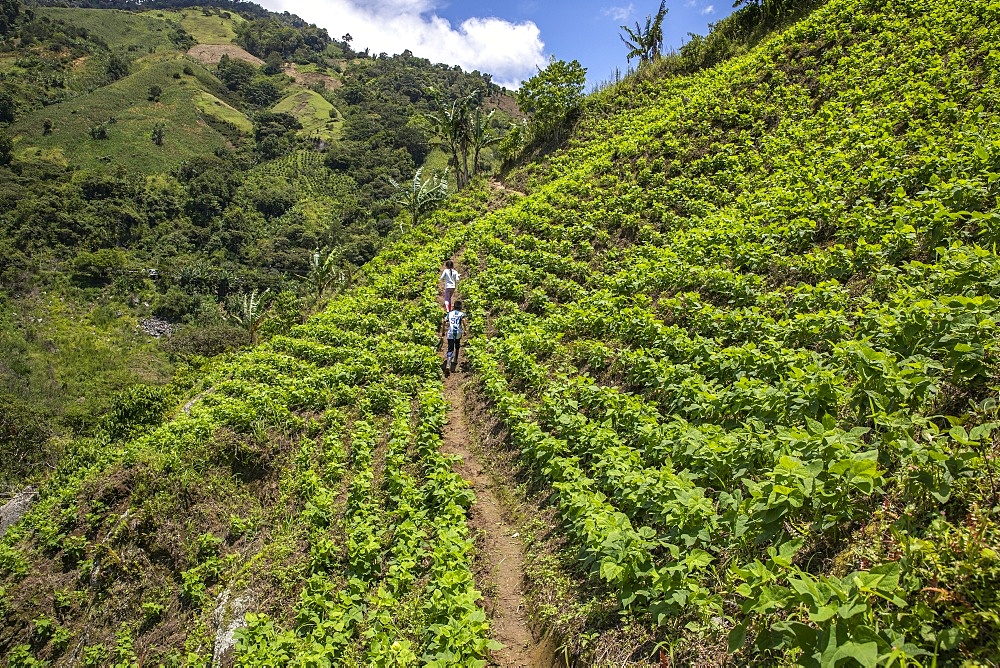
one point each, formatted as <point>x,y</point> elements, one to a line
<point>746,331</point>
<point>741,334</point>
<point>297,496</point>
<point>389,578</point>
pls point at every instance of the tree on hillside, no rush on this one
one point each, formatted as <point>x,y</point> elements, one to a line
<point>324,269</point>
<point>235,73</point>
<point>466,129</point>
<point>275,133</point>
<point>481,135</point>
<point>9,11</point>
<point>116,68</point>
<point>646,43</point>
<point>420,196</point>
<point>261,92</point>
<point>451,123</point>
<point>250,311</point>
<point>159,130</point>
<point>553,97</point>
<point>6,148</point>
<point>8,106</point>
<point>273,64</point>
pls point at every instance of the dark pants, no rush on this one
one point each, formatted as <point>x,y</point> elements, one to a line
<point>453,346</point>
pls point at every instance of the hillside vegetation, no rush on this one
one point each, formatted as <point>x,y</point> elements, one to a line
<point>744,330</point>
<point>165,163</point>
<point>738,339</point>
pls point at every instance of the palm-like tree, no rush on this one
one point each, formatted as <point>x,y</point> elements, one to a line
<point>323,270</point>
<point>481,135</point>
<point>251,312</point>
<point>420,196</point>
<point>646,43</point>
<point>451,123</point>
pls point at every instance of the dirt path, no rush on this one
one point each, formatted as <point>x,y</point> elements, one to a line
<point>501,561</point>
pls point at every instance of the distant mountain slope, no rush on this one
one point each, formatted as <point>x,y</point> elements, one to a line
<point>739,339</point>
<point>143,193</point>
<point>129,117</point>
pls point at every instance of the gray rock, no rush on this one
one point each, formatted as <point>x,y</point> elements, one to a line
<point>15,509</point>
<point>229,615</point>
<point>156,327</point>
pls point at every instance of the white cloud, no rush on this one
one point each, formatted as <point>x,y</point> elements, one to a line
<point>509,51</point>
<point>619,13</point>
<point>708,10</point>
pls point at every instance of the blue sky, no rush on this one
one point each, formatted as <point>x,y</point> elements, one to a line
<point>588,31</point>
<point>507,39</point>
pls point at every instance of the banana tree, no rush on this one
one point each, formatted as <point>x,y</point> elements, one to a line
<point>420,196</point>
<point>481,135</point>
<point>452,124</point>
<point>323,270</point>
<point>646,43</point>
<point>250,312</point>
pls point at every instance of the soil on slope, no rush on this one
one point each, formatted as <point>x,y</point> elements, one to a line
<point>211,54</point>
<point>501,564</point>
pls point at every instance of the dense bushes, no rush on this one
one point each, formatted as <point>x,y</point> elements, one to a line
<point>746,335</point>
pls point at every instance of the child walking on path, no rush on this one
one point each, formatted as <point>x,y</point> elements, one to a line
<point>450,278</point>
<point>452,328</point>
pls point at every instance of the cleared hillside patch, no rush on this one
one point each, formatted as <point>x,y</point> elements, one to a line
<point>130,32</point>
<point>310,75</point>
<point>314,113</point>
<point>127,114</point>
<point>211,54</point>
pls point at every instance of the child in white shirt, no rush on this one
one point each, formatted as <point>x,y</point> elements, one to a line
<point>450,278</point>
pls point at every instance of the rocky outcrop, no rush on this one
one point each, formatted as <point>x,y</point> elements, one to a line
<point>15,509</point>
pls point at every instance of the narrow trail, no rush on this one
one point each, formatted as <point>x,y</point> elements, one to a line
<point>502,564</point>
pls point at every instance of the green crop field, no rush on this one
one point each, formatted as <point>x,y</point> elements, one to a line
<point>128,31</point>
<point>733,359</point>
<point>313,112</point>
<point>126,101</point>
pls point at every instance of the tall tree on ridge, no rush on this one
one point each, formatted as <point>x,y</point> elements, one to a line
<point>9,11</point>
<point>646,43</point>
<point>451,123</point>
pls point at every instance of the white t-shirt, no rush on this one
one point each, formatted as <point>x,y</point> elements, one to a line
<point>450,278</point>
<point>454,320</point>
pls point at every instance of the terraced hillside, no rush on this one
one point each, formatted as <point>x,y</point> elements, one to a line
<point>300,481</point>
<point>744,330</point>
<point>738,341</point>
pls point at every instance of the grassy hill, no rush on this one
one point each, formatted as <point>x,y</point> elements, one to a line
<point>204,27</point>
<point>149,41</point>
<point>129,116</point>
<point>314,113</point>
<point>737,344</point>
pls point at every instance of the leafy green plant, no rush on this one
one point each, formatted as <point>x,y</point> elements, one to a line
<point>420,196</point>
<point>250,312</point>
